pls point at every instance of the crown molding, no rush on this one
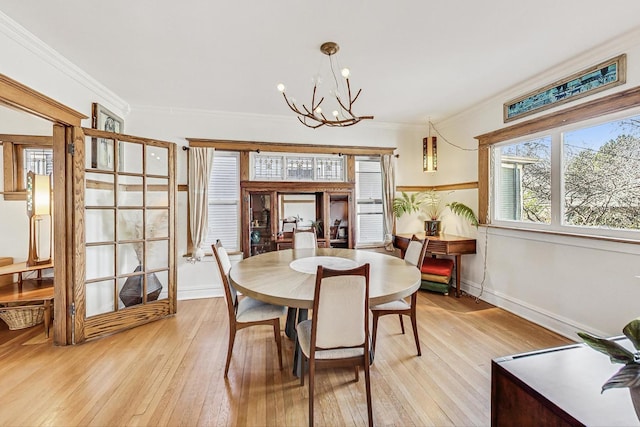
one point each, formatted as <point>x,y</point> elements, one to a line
<point>24,38</point>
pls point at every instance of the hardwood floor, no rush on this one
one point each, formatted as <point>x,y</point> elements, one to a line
<point>170,372</point>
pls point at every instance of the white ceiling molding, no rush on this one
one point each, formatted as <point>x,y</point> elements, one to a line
<point>23,37</point>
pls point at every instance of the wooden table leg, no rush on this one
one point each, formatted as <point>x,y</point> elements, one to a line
<point>458,292</point>
<point>47,317</point>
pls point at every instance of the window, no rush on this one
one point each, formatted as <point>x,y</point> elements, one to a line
<point>369,201</point>
<point>289,167</point>
<point>601,175</point>
<point>23,153</point>
<point>224,201</point>
<point>583,177</point>
<point>523,181</point>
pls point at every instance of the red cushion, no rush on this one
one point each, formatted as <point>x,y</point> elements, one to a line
<point>439,266</point>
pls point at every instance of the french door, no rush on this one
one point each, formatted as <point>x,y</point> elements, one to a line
<point>124,233</point>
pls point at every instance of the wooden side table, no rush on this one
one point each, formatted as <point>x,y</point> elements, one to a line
<point>442,244</point>
<point>30,290</point>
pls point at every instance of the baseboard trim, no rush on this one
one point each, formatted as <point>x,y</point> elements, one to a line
<point>556,323</point>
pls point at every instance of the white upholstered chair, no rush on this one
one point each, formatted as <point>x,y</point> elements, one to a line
<point>414,255</point>
<point>245,312</point>
<point>338,333</point>
<point>305,238</point>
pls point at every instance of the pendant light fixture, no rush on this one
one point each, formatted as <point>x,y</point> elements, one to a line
<point>341,115</point>
<point>430,152</point>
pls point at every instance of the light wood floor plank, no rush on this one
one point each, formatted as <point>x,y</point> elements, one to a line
<point>171,372</point>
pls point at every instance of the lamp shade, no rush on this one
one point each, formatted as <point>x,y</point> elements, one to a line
<point>430,154</point>
<point>38,194</point>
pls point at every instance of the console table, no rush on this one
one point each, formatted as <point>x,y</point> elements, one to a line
<point>559,387</point>
<point>442,244</point>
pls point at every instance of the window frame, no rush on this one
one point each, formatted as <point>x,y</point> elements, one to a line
<point>617,105</point>
<point>226,202</point>
<point>13,148</point>
<point>359,244</point>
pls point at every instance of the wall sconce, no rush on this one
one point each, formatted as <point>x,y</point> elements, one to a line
<point>39,211</point>
<point>429,154</point>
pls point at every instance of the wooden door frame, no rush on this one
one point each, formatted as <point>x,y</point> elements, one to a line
<point>66,122</point>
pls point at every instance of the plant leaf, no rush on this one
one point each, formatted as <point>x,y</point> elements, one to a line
<point>616,353</point>
<point>632,331</point>
<point>627,376</point>
<point>464,211</point>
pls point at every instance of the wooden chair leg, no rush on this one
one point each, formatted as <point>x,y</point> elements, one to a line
<point>367,381</point>
<point>414,323</point>
<point>276,332</point>
<point>375,330</point>
<point>414,320</point>
<point>401,323</point>
<point>357,373</point>
<point>303,360</point>
<point>232,338</point>
<point>312,373</point>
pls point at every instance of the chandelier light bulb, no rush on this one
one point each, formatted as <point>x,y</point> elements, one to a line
<point>345,73</point>
<point>318,110</point>
<point>335,113</point>
<point>281,87</point>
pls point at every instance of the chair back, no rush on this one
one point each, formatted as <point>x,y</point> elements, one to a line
<point>341,308</point>
<point>305,239</point>
<point>416,251</point>
<point>224,266</point>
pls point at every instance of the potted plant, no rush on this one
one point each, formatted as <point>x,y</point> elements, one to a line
<point>629,374</point>
<point>431,207</point>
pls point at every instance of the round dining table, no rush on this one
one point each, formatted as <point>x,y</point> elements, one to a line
<point>288,277</point>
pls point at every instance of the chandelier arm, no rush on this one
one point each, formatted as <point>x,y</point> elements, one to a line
<point>318,117</point>
<point>357,95</point>
<point>304,122</point>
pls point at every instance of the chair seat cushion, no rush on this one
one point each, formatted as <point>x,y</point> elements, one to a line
<point>251,310</point>
<point>304,338</point>
<point>435,286</point>
<point>435,278</point>
<point>437,266</point>
<point>393,305</point>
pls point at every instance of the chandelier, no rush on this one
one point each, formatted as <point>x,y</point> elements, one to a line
<point>342,115</point>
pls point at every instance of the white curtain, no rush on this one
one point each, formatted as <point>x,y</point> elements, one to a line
<point>387,165</point>
<point>200,165</point>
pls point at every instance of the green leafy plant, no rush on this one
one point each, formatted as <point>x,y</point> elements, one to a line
<point>430,204</point>
<point>629,374</point>
<point>407,203</point>
<point>464,211</point>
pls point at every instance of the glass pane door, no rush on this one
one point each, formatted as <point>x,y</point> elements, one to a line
<point>129,233</point>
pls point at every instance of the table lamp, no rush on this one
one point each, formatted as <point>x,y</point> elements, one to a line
<point>39,209</point>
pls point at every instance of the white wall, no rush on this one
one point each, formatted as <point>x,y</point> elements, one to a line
<point>565,283</point>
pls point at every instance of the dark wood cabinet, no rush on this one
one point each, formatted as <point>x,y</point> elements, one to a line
<point>263,204</point>
<point>558,387</point>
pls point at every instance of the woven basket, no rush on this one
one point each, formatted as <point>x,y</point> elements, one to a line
<point>21,317</point>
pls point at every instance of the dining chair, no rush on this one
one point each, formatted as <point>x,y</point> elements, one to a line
<point>304,238</point>
<point>245,312</point>
<point>338,333</point>
<point>414,255</point>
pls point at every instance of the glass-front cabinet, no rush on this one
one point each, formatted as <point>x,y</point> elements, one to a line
<point>261,231</point>
<point>272,211</point>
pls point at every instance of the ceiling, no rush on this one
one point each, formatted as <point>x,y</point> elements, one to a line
<point>414,59</point>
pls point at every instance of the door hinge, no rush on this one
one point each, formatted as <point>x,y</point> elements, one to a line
<point>71,149</point>
<point>72,309</point>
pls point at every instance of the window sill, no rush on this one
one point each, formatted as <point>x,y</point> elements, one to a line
<point>564,234</point>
